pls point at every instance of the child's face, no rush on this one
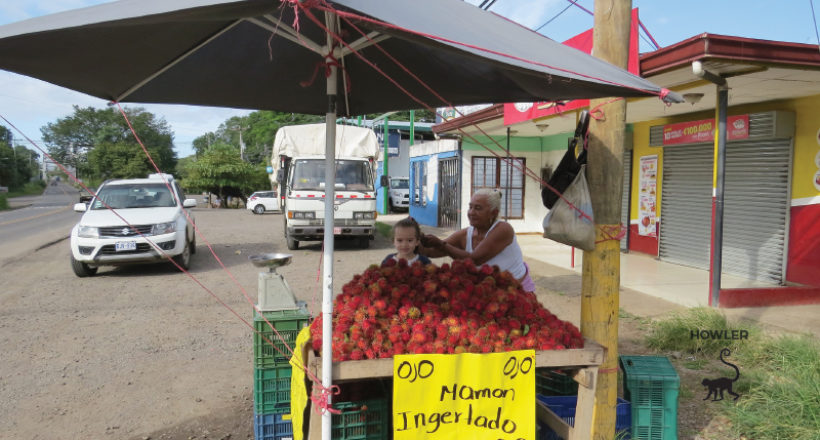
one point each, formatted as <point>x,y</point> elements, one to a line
<point>405,241</point>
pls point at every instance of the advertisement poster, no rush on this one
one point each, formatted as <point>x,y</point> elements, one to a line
<point>647,196</point>
<point>695,132</point>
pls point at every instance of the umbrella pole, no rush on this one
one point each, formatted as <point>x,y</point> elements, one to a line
<point>327,257</point>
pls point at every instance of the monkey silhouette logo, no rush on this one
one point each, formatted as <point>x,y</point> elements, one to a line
<point>722,384</point>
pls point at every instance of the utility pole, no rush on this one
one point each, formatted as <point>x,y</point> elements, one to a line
<point>601,268</point>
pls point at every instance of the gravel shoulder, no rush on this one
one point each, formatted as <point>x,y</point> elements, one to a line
<point>144,351</point>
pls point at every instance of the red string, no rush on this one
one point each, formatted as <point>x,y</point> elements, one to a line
<point>597,112</point>
<point>330,60</point>
<point>133,228</point>
<point>230,274</point>
<point>323,6</point>
<point>321,400</point>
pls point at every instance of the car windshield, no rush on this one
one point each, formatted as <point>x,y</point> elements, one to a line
<point>400,183</point>
<point>138,195</point>
<point>351,175</point>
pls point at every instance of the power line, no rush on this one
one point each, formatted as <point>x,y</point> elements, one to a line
<point>553,18</point>
<point>487,8</point>
<point>816,34</point>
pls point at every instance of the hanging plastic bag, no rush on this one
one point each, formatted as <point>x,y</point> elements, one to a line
<point>565,224</point>
<point>570,164</point>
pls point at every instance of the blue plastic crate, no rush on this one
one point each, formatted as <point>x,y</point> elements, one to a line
<point>272,427</point>
<point>564,407</point>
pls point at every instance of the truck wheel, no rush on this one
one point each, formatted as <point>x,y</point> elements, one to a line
<point>293,244</point>
<point>81,269</point>
<point>258,209</point>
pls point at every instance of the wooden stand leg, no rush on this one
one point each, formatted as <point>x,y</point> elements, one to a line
<point>587,379</point>
<point>315,426</point>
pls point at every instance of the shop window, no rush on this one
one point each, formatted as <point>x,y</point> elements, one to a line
<point>505,175</point>
<point>419,183</point>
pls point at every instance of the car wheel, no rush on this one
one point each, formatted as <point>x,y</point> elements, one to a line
<point>258,209</point>
<point>81,269</point>
<point>184,259</point>
<point>193,243</point>
<point>390,206</point>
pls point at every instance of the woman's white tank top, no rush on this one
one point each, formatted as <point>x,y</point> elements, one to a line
<point>510,258</point>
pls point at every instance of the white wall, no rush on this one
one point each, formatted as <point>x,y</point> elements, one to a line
<point>534,210</point>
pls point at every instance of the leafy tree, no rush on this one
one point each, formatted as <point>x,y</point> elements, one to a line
<point>100,145</point>
<point>220,170</point>
<point>258,130</point>
<point>18,164</point>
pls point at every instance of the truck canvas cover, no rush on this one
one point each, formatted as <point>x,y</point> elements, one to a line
<point>309,140</point>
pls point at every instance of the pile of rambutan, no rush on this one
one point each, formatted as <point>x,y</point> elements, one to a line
<point>454,308</point>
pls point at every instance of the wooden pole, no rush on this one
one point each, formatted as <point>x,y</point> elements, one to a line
<point>601,267</point>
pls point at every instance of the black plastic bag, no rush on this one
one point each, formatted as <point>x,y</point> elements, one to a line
<point>570,164</point>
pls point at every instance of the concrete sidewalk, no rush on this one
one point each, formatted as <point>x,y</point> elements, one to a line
<point>649,287</point>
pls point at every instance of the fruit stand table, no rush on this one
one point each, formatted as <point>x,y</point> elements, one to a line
<point>581,363</point>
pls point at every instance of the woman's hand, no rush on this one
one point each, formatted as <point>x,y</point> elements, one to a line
<point>431,241</point>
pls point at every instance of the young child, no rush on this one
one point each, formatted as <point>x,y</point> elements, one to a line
<point>406,240</point>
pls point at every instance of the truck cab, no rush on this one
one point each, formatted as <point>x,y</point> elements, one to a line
<point>300,177</point>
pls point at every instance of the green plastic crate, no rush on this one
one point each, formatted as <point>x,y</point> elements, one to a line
<point>554,383</point>
<point>365,420</point>
<point>651,384</point>
<point>288,323</point>
<point>271,390</point>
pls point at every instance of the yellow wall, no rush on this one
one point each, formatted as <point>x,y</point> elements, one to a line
<point>807,124</point>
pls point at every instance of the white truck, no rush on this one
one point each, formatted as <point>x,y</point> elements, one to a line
<point>299,170</point>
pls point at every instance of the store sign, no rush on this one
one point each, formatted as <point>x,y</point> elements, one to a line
<point>477,396</point>
<point>697,132</point>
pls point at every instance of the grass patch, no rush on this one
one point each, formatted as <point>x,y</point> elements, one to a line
<point>384,230</point>
<point>780,376</point>
<point>697,364</point>
<point>4,203</point>
<point>675,332</point>
<point>782,398</point>
<point>29,189</point>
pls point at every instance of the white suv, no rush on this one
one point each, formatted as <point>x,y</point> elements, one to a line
<point>262,201</point>
<point>102,238</point>
<point>399,194</point>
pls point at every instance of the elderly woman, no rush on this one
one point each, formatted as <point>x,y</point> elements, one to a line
<point>486,241</point>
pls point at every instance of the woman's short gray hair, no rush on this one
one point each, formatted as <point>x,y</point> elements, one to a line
<point>493,197</point>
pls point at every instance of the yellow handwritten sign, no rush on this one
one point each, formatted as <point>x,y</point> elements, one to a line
<point>476,396</point>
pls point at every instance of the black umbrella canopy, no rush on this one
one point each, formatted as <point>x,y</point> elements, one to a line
<point>247,54</point>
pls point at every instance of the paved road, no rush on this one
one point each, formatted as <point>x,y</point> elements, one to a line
<point>37,220</point>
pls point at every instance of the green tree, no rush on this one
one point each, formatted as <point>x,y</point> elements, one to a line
<point>18,164</point>
<point>99,144</point>
<point>220,170</point>
<point>257,129</point>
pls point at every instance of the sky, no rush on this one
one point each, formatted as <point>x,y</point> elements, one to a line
<point>30,104</point>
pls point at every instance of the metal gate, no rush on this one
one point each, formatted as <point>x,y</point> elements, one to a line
<point>755,207</point>
<point>448,192</point>
<point>625,194</point>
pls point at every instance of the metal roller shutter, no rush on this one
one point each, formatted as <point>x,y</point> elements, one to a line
<point>625,197</point>
<point>686,205</point>
<point>755,207</point>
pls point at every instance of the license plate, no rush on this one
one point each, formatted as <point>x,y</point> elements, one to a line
<point>125,246</point>
<point>337,230</point>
